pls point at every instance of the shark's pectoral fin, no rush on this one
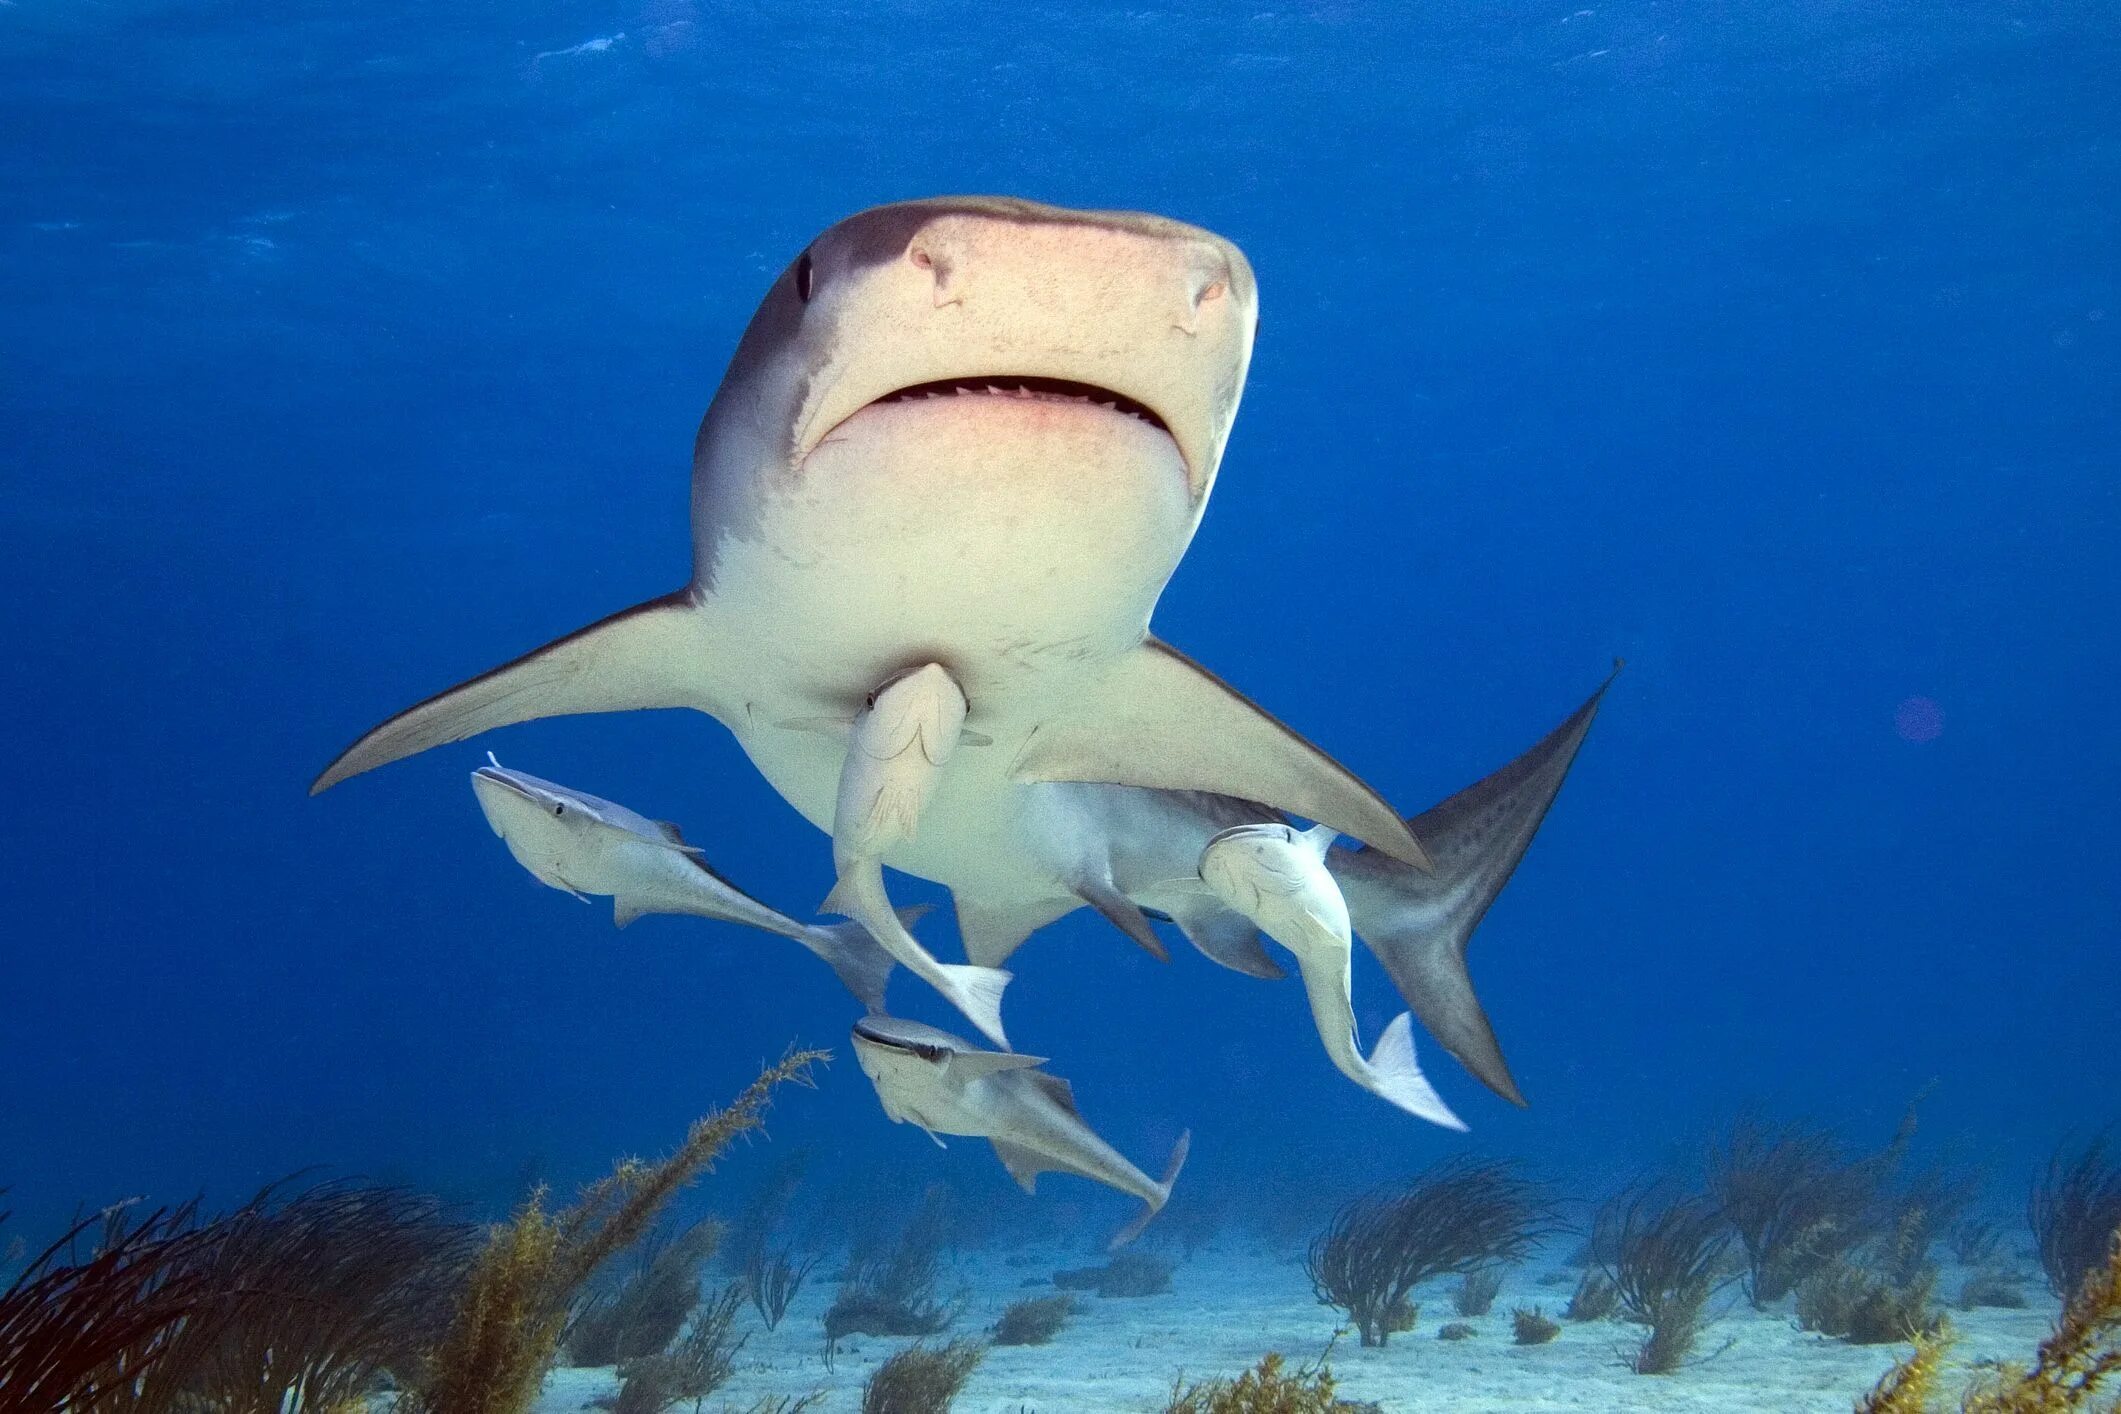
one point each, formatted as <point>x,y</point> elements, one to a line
<point>656,654</point>
<point>1024,1165</point>
<point>1159,719</point>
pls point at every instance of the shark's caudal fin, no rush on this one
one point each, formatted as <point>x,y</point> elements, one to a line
<point>1396,1076</point>
<point>856,957</point>
<point>1418,924</point>
<point>1159,719</point>
<point>652,655</point>
<point>1177,1162</point>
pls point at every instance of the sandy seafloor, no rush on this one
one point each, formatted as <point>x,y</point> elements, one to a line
<point>1227,1307</point>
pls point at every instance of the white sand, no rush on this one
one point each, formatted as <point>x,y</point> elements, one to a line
<point>1226,1308</point>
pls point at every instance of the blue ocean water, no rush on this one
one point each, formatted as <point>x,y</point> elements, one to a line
<point>349,350</point>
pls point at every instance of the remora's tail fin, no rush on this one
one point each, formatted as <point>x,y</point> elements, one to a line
<point>1396,1076</point>
<point>856,957</point>
<point>975,991</point>
<point>1159,719</point>
<point>1418,924</point>
<point>1172,1167</point>
<point>652,655</point>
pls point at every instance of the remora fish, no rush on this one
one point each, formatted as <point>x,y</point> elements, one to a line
<point>1131,853</point>
<point>1276,876</point>
<point>977,432</point>
<point>906,732</point>
<point>584,845</point>
<point>946,1085</point>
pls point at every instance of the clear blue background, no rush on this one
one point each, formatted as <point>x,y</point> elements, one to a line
<point>346,350</point>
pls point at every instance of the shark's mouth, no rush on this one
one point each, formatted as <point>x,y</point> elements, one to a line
<point>1028,387</point>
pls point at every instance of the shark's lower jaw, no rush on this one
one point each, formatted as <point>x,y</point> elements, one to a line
<point>1051,390</point>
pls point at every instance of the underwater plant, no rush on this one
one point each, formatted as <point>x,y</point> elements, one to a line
<point>310,1299</point>
<point>2074,1211</point>
<point>1866,1305</point>
<point>1458,1217</point>
<point>1796,1198</point>
<point>514,1304</point>
<point>1994,1287</point>
<point>648,1308</point>
<point>76,1331</point>
<point>772,1275</point>
<point>1456,1330</point>
<point>1595,1298</point>
<point>1906,1387</point>
<point>891,1290</point>
<point>696,1367</point>
<point>2075,1361</point>
<point>1975,1241</point>
<point>1532,1326</point>
<point>1477,1291</point>
<point>1667,1265</point>
<point>920,1379</point>
<point>1128,1274</point>
<point>1033,1321</point>
<point>1266,1388</point>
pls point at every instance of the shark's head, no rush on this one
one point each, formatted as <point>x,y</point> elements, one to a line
<point>905,319</point>
<point>550,829</point>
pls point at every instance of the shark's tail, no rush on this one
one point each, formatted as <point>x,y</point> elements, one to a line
<point>1396,1075</point>
<point>1155,1205</point>
<point>1418,924</point>
<point>856,957</point>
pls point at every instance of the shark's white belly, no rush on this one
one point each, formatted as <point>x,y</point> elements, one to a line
<point>1021,548</point>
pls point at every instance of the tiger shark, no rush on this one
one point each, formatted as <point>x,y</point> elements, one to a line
<point>973,432</point>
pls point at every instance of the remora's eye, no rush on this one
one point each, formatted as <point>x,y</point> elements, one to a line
<point>558,810</point>
<point>804,278</point>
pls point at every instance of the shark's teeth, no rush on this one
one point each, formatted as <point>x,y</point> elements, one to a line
<point>1028,388</point>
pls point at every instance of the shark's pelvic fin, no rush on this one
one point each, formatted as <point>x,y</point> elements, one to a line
<point>655,654</point>
<point>1122,913</point>
<point>1229,938</point>
<point>1172,1169</point>
<point>1159,719</point>
<point>976,991</point>
<point>992,933</point>
<point>1418,924</point>
<point>856,957</point>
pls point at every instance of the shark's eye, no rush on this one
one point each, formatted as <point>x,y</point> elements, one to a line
<point>804,278</point>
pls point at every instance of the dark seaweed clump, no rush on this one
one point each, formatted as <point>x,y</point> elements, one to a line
<point>1994,1287</point>
<point>1796,1198</point>
<point>1456,1330</point>
<point>891,1290</point>
<point>1595,1298</point>
<point>319,1296</point>
<point>1866,1305</point>
<point>647,1307</point>
<point>1667,1264</point>
<point>1477,1291</point>
<point>920,1379</point>
<point>771,1273</point>
<point>1457,1217</point>
<point>1034,1320</point>
<point>2074,1211</point>
<point>1128,1274</point>
<point>1532,1326</point>
<point>696,1367</point>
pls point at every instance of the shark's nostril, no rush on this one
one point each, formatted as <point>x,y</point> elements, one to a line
<point>1213,291</point>
<point>921,259</point>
